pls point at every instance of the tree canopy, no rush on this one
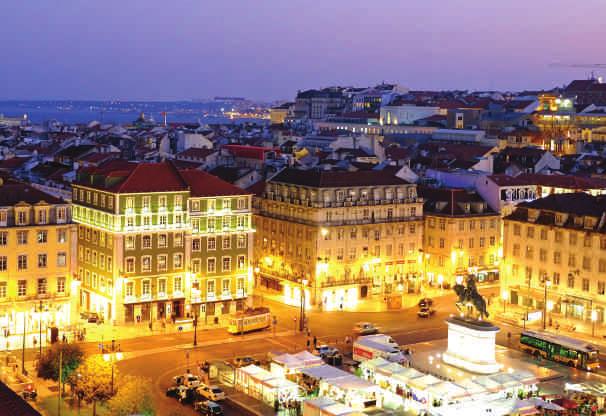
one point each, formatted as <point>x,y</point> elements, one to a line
<point>133,396</point>
<point>48,365</point>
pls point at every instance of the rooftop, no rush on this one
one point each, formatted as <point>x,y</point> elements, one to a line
<point>330,179</point>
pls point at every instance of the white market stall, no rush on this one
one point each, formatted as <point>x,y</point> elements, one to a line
<point>370,367</point>
<point>263,385</point>
<point>352,391</point>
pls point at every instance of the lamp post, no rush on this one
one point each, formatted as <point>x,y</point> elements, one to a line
<point>504,297</point>
<point>195,326</point>
<point>112,357</point>
<point>40,326</point>
<point>594,318</point>
<point>302,311</point>
<point>546,284</point>
<point>23,370</point>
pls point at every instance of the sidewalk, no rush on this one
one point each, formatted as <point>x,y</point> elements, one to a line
<point>582,330</point>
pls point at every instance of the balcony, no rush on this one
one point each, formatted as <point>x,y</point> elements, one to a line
<point>345,282</point>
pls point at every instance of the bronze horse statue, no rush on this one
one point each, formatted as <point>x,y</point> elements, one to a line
<point>470,295</point>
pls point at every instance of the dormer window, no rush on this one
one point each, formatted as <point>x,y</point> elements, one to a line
<point>21,218</point>
<point>130,203</point>
<point>3,217</point>
<point>42,216</point>
<point>178,202</point>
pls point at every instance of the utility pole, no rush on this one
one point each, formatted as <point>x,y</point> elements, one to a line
<point>195,329</point>
<point>23,370</point>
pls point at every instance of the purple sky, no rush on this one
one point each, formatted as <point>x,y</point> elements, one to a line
<point>181,49</point>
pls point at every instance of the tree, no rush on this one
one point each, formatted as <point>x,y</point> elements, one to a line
<point>133,396</point>
<point>48,365</point>
<point>92,381</point>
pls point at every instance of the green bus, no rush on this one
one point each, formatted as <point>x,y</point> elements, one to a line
<point>565,350</point>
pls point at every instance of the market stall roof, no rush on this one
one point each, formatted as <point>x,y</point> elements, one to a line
<point>488,383</point>
<point>391,369</point>
<point>471,387</point>
<point>351,382</point>
<point>447,390</point>
<point>375,363</point>
<point>506,380</point>
<point>537,402</point>
<point>281,384</point>
<point>324,372</point>
<point>595,388</point>
<point>421,383</point>
<point>308,358</point>
<point>256,373</point>
<point>407,374</point>
<point>337,409</point>
<point>288,360</point>
<point>524,377</point>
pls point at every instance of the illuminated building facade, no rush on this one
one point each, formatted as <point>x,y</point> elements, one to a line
<point>559,242</point>
<point>36,267</point>
<point>461,236</point>
<point>340,236</point>
<point>155,242</point>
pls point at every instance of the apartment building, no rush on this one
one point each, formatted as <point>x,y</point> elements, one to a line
<point>338,237</point>
<point>461,237</point>
<point>36,267</point>
<point>558,241</point>
<point>155,242</point>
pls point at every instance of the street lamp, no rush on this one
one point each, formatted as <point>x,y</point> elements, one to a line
<point>195,325</point>
<point>40,325</point>
<point>504,297</point>
<point>112,357</point>
<point>546,283</point>
<point>594,318</point>
<point>302,312</point>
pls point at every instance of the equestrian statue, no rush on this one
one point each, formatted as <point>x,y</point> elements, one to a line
<point>469,298</point>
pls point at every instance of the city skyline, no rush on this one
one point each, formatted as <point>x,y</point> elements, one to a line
<point>194,50</point>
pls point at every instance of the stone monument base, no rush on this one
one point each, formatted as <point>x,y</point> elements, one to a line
<point>471,345</point>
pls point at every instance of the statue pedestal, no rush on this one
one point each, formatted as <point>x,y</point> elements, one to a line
<point>471,345</point>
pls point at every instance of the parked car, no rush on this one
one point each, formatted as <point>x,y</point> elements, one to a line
<point>213,393</point>
<point>187,380</point>
<point>365,328</point>
<point>176,392</point>
<point>208,408</point>
<point>425,312</point>
<point>325,350</point>
<point>91,317</point>
<point>425,302</point>
<point>244,361</point>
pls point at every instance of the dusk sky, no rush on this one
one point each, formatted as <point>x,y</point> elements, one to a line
<point>268,49</point>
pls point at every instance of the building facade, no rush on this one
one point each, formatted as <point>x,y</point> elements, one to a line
<point>559,242</point>
<point>338,237</point>
<point>461,237</point>
<point>36,260</point>
<point>155,242</point>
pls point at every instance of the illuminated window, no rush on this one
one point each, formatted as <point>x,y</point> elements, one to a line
<point>242,241</point>
<point>162,201</point>
<point>3,263</point>
<point>161,287</point>
<point>2,289</point>
<point>21,237</point>
<point>130,289</point>
<point>210,287</point>
<point>241,203</point>
<point>226,286</point>
<point>226,264</point>
<point>22,288</point>
<point>130,242</point>
<point>163,220</point>
<point>241,262</point>
<point>42,261</point>
<point>146,287</point>
<point>146,241</point>
<point>226,221</point>
<point>210,204</point>
<point>178,261</point>
<point>162,262</point>
<point>177,284</point>
<point>211,243</point>
<point>162,241</point>
<point>211,265</point>
<point>130,265</point>
<point>178,240</point>
<point>146,263</point>
<point>226,242</point>
<point>130,203</point>
<point>195,244</point>
<point>241,221</point>
<point>42,286</point>
<point>22,262</point>
<point>195,205</point>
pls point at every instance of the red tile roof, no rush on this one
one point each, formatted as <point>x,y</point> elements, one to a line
<point>248,152</point>
<point>204,184</point>
<point>195,152</point>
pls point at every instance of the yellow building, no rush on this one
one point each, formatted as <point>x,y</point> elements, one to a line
<point>36,270</point>
<point>278,115</point>
<point>461,236</point>
<point>343,236</point>
<point>559,242</point>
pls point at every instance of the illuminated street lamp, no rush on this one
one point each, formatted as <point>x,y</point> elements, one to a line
<point>594,318</point>
<point>546,283</point>
<point>504,297</point>
<point>112,357</point>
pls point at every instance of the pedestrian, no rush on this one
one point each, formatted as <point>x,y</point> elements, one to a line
<point>64,339</point>
<point>308,343</point>
<point>35,341</point>
<point>150,326</point>
<point>315,342</point>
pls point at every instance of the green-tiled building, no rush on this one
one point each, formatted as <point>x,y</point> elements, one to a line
<point>156,242</point>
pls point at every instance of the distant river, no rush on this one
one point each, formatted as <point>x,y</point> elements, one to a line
<point>83,112</point>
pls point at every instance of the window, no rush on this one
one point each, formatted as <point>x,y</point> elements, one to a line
<point>572,260</point>
<point>130,242</point>
<point>211,243</point>
<point>3,263</point>
<point>61,235</point>
<point>146,264</point>
<point>3,238</point>
<point>130,265</point>
<point>210,287</point>
<point>130,289</point>
<point>516,249</point>
<point>2,289</point>
<point>162,262</point>
<point>241,221</point>
<point>516,229</point>
<point>178,240</point>
<point>556,279</point>
<point>178,261</point>
<point>41,261</point>
<point>146,202</point>
<point>558,236</point>
<point>226,221</point>
<point>587,241</point>
<point>586,263</point>
<point>543,254</point>
<point>178,202</point>
<point>22,262</point>
<point>21,218</point>
<point>210,205</point>
<point>557,257</point>
<point>147,221</point>
<point>109,263</point>
<point>226,286</point>
<point>22,288</point>
<point>227,204</point>
<point>570,281</point>
<point>61,285</point>
<point>411,228</point>
<point>530,232</point>
<point>161,287</point>
<point>543,234</point>
<point>585,285</point>
<point>195,244</point>
<point>146,287</point>
<point>146,241</point>
<point>242,241</point>
<point>178,219</point>
<point>241,262</point>
<point>130,203</point>
<point>226,242</point>
<point>211,225</point>
<point>41,216</point>
<point>3,217</point>
<point>211,265</point>
<point>162,241</point>
<point>195,205</point>
<point>163,220</point>
<point>110,201</point>
<point>195,266</point>
<point>42,286</point>
<point>226,264</point>
<point>602,266</point>
<point>162,201</point>
<point>21,237</point>
<point>601,287</point>
<point>241,203</point>
<point>177,284</point>
<point>572,239</point>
